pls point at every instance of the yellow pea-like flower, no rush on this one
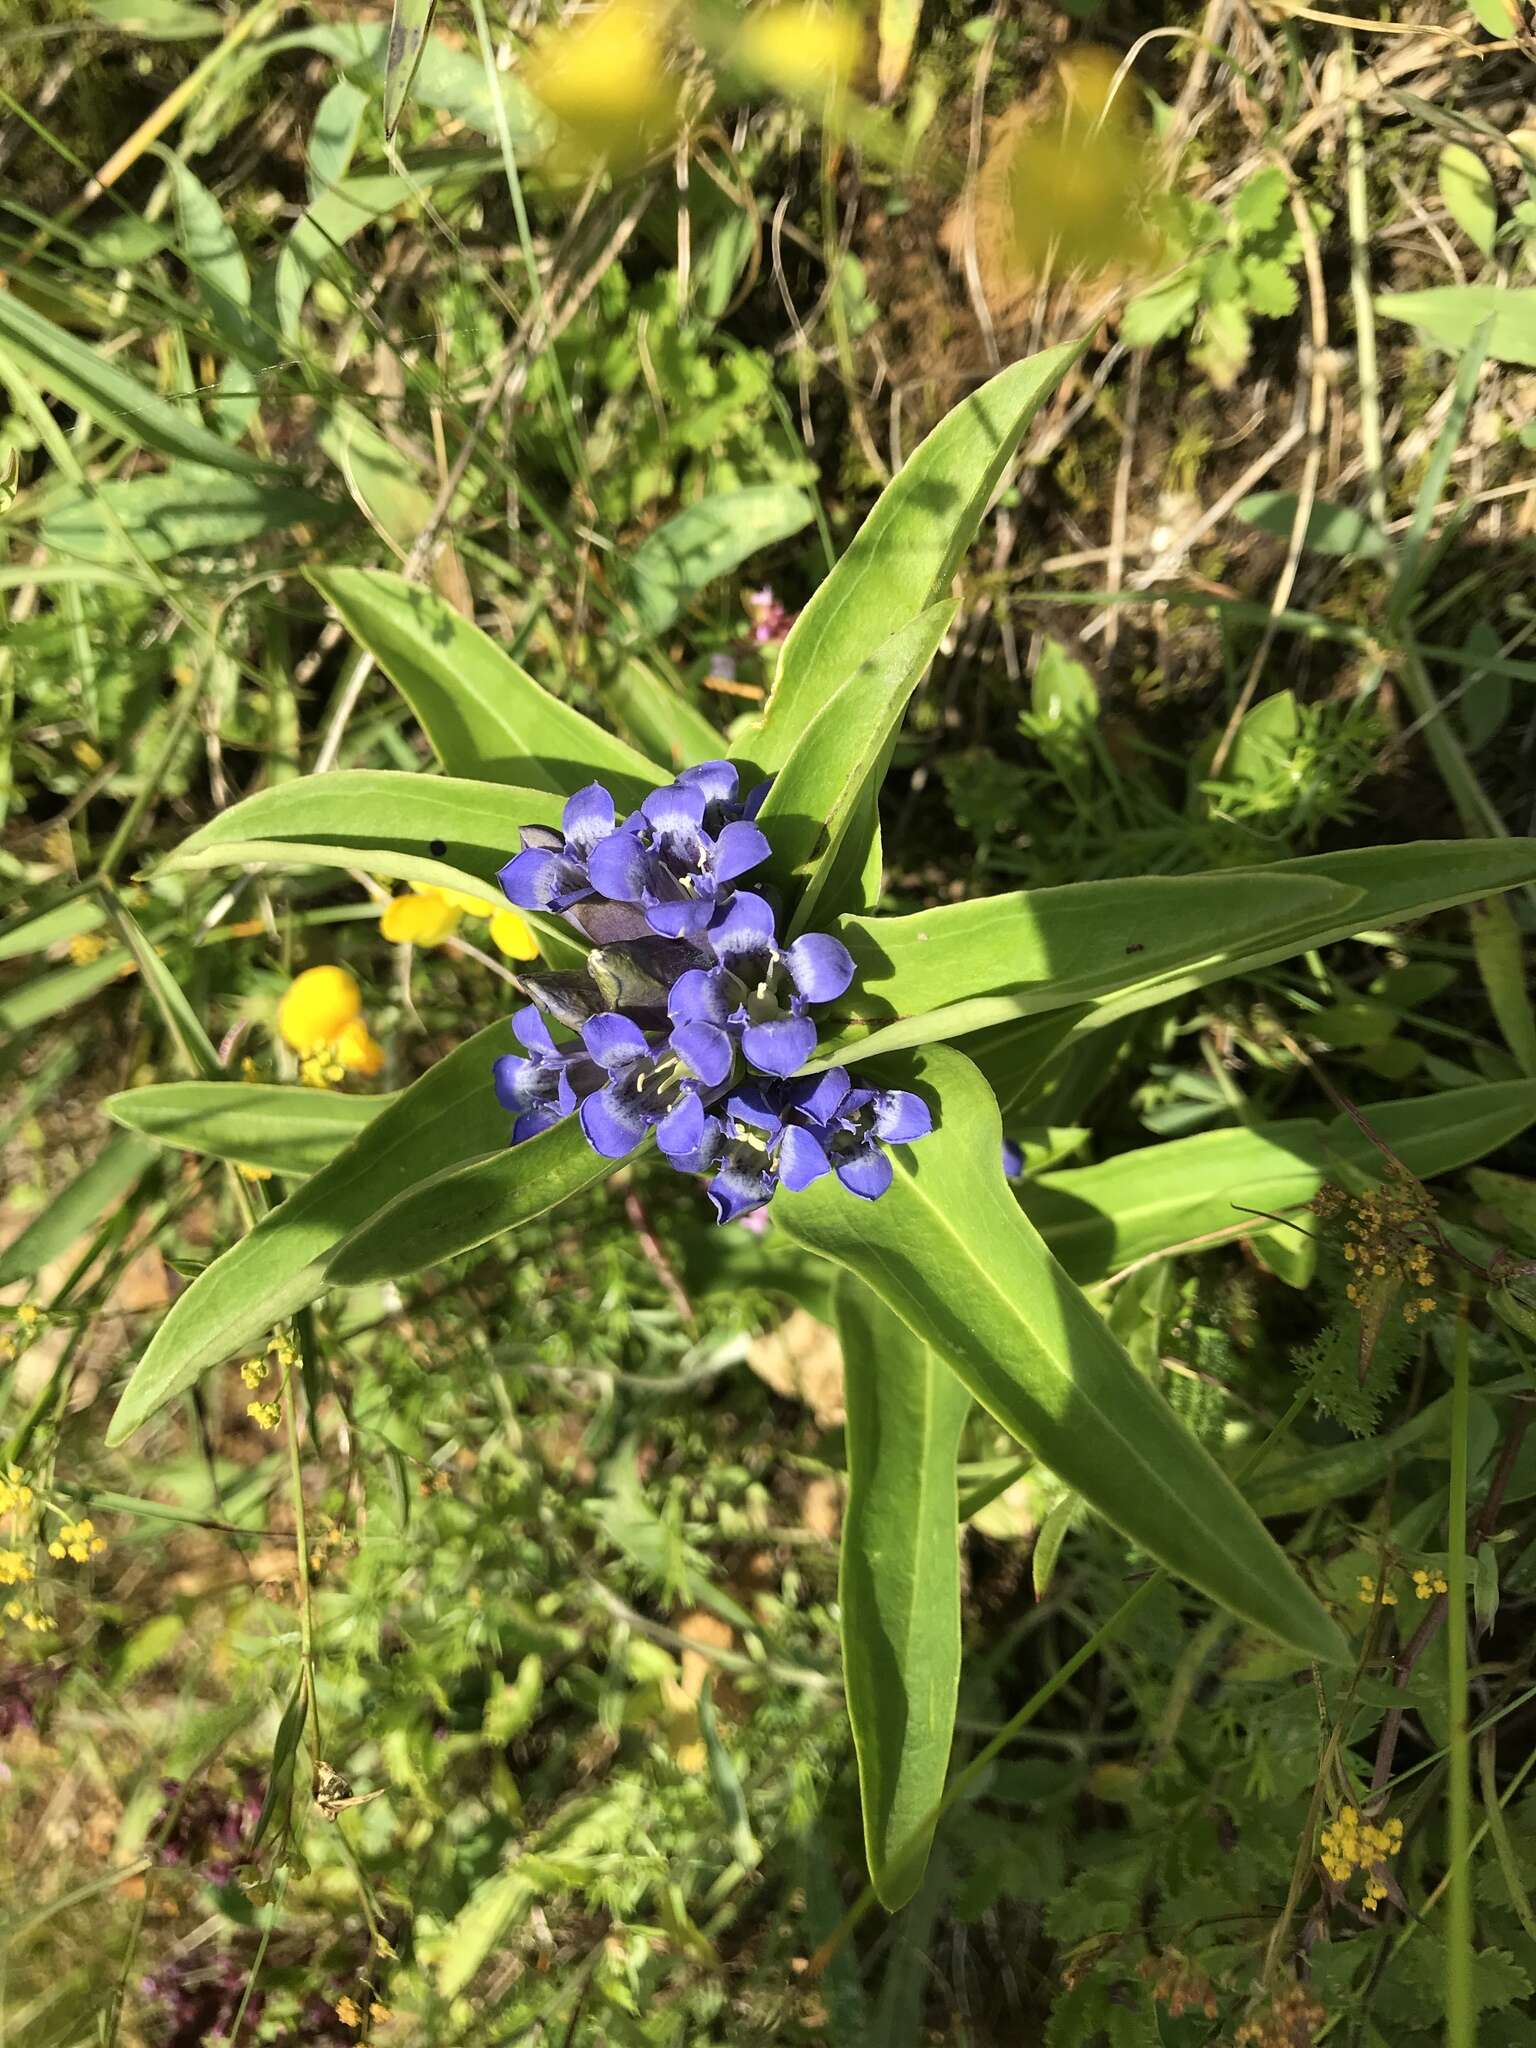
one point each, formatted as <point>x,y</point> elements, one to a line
<point>512,935</point>
<point>358,1051</point>
<point>607,81</point>
<point>422,917</point>
<point>804,50</point>
<point>318,1007</point>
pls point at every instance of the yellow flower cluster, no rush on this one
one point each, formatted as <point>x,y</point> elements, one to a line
<point>281,1353</point>
<point>15,1494</point>
<point>31,1618</point>
<point>78,1542</point>
<point>1350,1844</point>
<point>265,1414</point>
<point>85,948</point>
<point>426,917</point>
<point>28,1317</point>
<point>1368,1592</point>
<point>1380,1241</point>
<point>1427,1584</point>
<point>14,1568</point>
<point>321,1018</point>
<point>350,2013</point>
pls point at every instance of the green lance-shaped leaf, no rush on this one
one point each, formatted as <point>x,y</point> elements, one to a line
<point>112,396</point>
<point>949,1249</point>
<point>1119,946</point>
<point>899,1586</point>
<point>485,716</point>
<point>667,726</point>
<point>384,821</point>
<point>181,511</point>
<point>286,1130</point>
<point>409,23</point>
<point>815,795</point>
<point>464,1207</point>
<point>447,1117</point>
<point>708,539</point>
<point>905,553</point>
<point>80,1207</point>
<point>1099,1218</point>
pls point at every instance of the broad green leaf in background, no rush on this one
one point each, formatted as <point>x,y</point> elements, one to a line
<point>344,209</point>
<point>1331,529</point>
<point>1501,18</point>
<point>1034,950</point>
<point>442,1120</point>
<point>82,1206</point>
<point>1099,1218</point>
<point>184,510</point>
<point>485,716</point>
<point>899,1584</point>
<point>285,1129</point>
<point>815,795</point>
<point>1450,314</point>
<point>333,135</point>
<point>464,1207</point>
<point>1501,961</point>
<point>666,725</point>
<point>1132,945</point>
<point>99,386</point>
<point>906,551</point>
<point>1466,186</point>
<point>385,821</point>
<point>211,251</point>
<point>410,22</point>
<point>950,1250</point>
<point>160,21</point>
<point>708,539</point>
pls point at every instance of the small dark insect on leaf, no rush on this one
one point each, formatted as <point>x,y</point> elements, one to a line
<point>437,848</point>
<point>1136,947</point>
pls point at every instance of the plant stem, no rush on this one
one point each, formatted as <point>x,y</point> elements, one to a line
<point>1460,2009</point>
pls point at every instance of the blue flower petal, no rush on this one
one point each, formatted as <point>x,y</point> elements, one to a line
<point>532,879</point>
<point>530,1030</point>
<point>614,1041</point>
<point>588,817</point>
<point>518,1083</point>
<point>680,1134</point>
<point>735,1192</point>
<point>717,780</point>
<point>706,1049</point>
<point>901,1116</point>
<point>612,1124</point>
<point>681,917</point>
<point>820,966</point>
<point>747,927</point>
<point>698,996</point>
<point>532,1121</point>
<point>867,1174</point>
<point>780,1045</point>
<point>676,808</point>
<point>820,1098</point>
<point>750,1105</point>
<point>739,847</point>
<point>801,1158</point>
<point>1013,1159</point>
<point>619,866</point>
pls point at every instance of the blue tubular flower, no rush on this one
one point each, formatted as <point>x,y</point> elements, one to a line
<point>652,1086</point>
<point>1013,1158</point>
<point>766,988</point>
<point>738,1148</point>
<point>666,859</point>
<point>548,1084</point>
<point>832,1127</point>
<point>551,871</point>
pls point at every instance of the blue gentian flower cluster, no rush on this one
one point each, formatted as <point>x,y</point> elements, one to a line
<point>691,1018</point>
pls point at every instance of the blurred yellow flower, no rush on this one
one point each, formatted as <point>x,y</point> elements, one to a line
<point>14,1568</point>
<point>77,1541</point>
<point>805,50</point>
<point>357,1051</point>
<point>512,934</point>
<point>607,81</point>
<point>422,917</point>
<point>425,917</point>
<point>318,1007</point>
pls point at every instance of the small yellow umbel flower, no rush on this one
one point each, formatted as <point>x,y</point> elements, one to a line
<point>78,1542</point>
<point>1351,1843</point>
